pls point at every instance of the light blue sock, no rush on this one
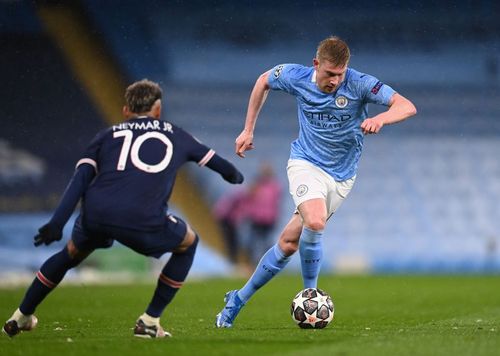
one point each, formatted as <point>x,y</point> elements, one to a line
<point>311,251</point>
<point>273,261</point>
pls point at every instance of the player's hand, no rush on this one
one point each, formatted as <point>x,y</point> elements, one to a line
<point>244,142</point>
<point>371,126</point>
<point>47,234</point>
<point>235,178</point>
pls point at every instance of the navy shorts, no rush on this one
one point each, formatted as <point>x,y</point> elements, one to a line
<point>89,236</point>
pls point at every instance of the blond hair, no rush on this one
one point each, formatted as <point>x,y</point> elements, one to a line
<point>333,50</point>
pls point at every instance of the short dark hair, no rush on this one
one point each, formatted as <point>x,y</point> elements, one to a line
<point>141,96</point>
<point>334,50</point>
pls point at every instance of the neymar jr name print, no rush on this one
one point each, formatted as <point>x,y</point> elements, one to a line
<point>144,125</point>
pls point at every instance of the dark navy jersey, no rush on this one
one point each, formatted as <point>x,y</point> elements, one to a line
<point>136,163</point>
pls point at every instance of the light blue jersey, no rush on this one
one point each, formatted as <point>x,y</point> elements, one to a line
<point>330,135</point>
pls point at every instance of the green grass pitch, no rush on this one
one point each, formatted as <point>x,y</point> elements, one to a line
<point>374,315</point>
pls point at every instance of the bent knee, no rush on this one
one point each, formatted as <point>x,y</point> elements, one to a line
<point>288,247</point>
<point>315,224</point>
<point>189,239</point>
<point>289,238</point>
<point>74,253</point>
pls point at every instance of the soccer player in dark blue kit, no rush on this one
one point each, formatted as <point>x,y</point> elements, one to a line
<point>124,180</point>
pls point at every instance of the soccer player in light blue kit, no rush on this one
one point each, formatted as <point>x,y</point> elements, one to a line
<point>332,104</point>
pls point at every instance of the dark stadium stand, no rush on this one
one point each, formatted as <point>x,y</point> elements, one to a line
<point>41,103</point>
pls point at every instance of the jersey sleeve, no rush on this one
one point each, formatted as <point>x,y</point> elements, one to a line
<point>85,171</point>
<point>196,151</point>
<point>374,91</point>
<point>79,183</point>
<point>282,77</point>
<point>92,152</point>
<point>205,156</point>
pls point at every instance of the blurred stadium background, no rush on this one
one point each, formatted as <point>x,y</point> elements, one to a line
<point>427,195</point>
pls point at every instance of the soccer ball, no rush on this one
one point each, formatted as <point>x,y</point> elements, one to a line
<point>312,308</point>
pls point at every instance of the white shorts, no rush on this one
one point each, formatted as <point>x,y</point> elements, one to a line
<point>306,182</point>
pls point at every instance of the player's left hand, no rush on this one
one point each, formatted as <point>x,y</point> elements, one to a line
<point>47,234</point>
<point>235,178</point>
<point>371,126</point>
<point>244,142</point>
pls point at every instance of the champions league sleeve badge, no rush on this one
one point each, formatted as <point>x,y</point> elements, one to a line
<point>278,70</point>
<point>341,101</point>
<point>377,87</point>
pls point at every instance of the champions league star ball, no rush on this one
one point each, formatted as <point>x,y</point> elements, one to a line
<point>312,308</point>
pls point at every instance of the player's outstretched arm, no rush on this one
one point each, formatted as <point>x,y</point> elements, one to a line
<point>244,142</point>
<point>225,169</point>
<point>52,231</point>
<point>400,108</point>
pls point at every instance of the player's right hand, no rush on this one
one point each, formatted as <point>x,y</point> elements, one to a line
<point>244,142</point>
<point>47,234</point>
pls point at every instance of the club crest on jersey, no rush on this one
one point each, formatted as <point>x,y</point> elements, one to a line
<point>278,71</point>
<point>301,190</point>
<point>341,101</point>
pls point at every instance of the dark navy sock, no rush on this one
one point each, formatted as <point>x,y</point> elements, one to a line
<point>171,279</point>
<point>47,278</point>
